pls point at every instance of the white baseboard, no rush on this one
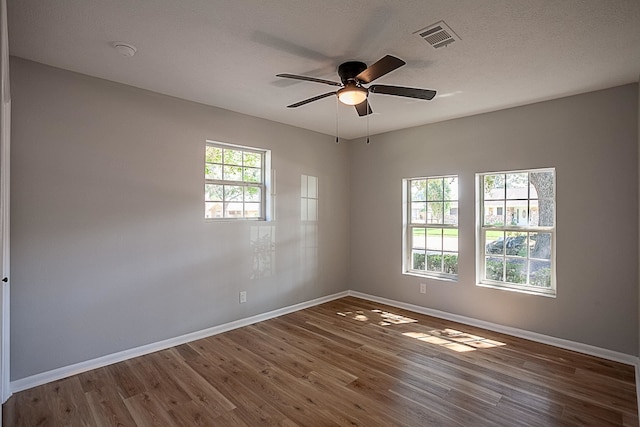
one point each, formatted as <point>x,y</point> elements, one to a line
<point>67,371</point>
<point>520,333</point>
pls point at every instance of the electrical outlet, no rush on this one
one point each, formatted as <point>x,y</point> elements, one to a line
<point>423,288</point>
<point>243,297</point>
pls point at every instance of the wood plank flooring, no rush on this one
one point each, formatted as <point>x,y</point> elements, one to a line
<point>349,362</point>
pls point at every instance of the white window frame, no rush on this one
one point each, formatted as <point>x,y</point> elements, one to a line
<point>263,184</point>
<point>482,242</point>
<point>409,226</point>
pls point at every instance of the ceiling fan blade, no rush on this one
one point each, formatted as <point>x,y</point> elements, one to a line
<point>380,68</point>
<point>306,101</point>
<point>309,79</point>
<point>363,108</point>
<point>409,92</point>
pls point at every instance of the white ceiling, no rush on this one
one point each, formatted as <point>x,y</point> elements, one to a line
<point>226,53</point>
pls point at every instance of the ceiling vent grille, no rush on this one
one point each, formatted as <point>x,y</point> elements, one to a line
<point>438,35</point>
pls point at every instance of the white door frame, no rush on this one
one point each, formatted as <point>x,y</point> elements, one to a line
<point>5,135</point>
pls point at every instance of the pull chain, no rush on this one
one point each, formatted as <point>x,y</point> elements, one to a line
<point>368,114</point>
<point>337,106</point>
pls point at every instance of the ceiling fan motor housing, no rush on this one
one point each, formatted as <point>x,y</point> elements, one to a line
<point>349,70</point>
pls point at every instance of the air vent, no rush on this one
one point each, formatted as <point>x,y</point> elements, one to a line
<point>438,35</point>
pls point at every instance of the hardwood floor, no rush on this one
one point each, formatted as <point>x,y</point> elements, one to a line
<point>347,362</point>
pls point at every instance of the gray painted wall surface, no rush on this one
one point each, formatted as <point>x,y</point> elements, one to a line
<point>110,249</point>
<point>592,142</point>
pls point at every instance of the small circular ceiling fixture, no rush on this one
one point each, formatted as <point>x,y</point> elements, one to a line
<point>125,49</point>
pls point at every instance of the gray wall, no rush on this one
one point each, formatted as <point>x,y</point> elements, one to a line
<point>110,249</point>
<point>592,142</point>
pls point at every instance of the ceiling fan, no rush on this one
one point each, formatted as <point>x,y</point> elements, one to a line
<point>353,75</point>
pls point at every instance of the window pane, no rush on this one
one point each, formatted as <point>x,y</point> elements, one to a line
<point>541,212</point>
<point>494,241</point>
<point>494,269</point>
<point>418,190</point>
<point>213,210</point>
<point>232,157</point>
<point>493,187</point>
<point>451,213</point>
<point>251,175</point>
<point>233,193</point>
<point>213,155</point>
<point>253,160</point>
<point>418,260</point>
<point>540,245</point>
<point>517,212</point>
<point>534,213</point>
<point>517,185</point>
<point>434,261</point>
<point>252,194</point>
<point>234,210</point>
<point>213,192</point>
<point>494,213</point>
<point>212,171</point>
<point>435,189</point>
<point>541,185</point>
<point>451,188</point>
<point>450,240</point>
<point>546,212</point>
<point>232,173</point>
<point>434,239</point>
<point>516,244</point>
<point>450,263</point>
<point>418,212</point>
<point>418,238</point>
<point>435,211</point>
<point>252,210</point>
<point>540,273</point>
<point>516,271</point>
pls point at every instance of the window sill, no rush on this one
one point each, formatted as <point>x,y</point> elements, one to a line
<point>549,293</point>
<point>448,278</point>
<point>210,220</point>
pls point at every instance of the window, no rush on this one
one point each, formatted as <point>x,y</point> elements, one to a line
<point>431,231</point>
<point>234,182</point>
<point>517,242</point>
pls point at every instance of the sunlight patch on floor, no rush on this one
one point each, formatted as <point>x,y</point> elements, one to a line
<point>454,340</point>
<point>382,318</point>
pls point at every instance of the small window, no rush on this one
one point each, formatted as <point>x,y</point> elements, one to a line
<point>235,185</point>
<point>431,231</point>
<point>517,230</point>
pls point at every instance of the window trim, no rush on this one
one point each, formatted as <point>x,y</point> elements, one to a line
<point>551,291</point>
<point>408,226</point>
<point>264,184</point>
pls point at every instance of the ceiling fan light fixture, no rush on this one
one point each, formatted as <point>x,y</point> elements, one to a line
<point>352,95</point>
